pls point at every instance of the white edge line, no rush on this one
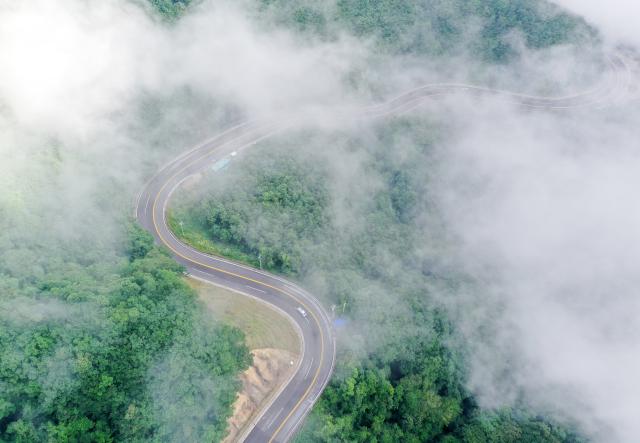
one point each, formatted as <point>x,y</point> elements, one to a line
<point>276,415</point>
<point>256,289</point>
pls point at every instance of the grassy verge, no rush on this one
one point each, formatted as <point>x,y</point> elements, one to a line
<point>263,326</point>
<point>193,235</point>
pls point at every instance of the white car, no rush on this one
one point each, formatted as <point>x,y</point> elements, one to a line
<point>302,311</point>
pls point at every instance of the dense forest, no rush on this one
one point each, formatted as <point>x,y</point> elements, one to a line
<point>118,349</point>
<point>480,28</point>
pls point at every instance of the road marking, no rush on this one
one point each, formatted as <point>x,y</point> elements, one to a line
<point>274,418</point>
<point>309,368</point>
<point>146,206</point>
<point>256,289</point>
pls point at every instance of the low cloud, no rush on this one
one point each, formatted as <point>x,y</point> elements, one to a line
<point>543,207</point>
<point>87,90</point>
<point>617,19</point>
<point>95,59</point>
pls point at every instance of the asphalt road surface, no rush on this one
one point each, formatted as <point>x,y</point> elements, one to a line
<point>279,420</point>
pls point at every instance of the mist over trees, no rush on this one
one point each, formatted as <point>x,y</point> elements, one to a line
<point>351,237</point>
<point>101,339</point>
<point>113,351</point>
<point>436,28</point>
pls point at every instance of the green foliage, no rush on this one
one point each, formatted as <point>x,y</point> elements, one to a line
<point>540,28</point>
<point>304,16</point>
<point>115,351</point>
<point>436,27</point>
<point>291,202</point>
<point>410,399</point>
<point>196,381</point>
<point>403,195</point>
<point>389,19</point>
<point>507,427</point>
<point>139,242</point>
<point>170,9</point>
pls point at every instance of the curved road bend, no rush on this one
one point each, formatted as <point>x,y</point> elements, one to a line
<point>282,416</point>
<point>286,411</point>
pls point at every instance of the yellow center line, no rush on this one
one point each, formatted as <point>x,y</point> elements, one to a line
<point>191,260</point>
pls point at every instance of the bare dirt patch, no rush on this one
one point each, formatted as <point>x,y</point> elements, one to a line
<point>270,369</point>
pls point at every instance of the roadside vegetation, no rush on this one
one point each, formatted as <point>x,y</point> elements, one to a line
<point>289,200</point>
<point>263,326</point>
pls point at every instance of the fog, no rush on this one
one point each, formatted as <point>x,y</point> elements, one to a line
<point>90,89</point>
<point>97,58</point>
<point>614,18</point>
<point>540,205</point>
<point>543,208</point>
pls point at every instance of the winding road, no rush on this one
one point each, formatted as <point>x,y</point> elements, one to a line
<point>282,416</point>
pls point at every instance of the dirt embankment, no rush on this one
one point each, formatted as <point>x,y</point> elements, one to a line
<point>271,368</point>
